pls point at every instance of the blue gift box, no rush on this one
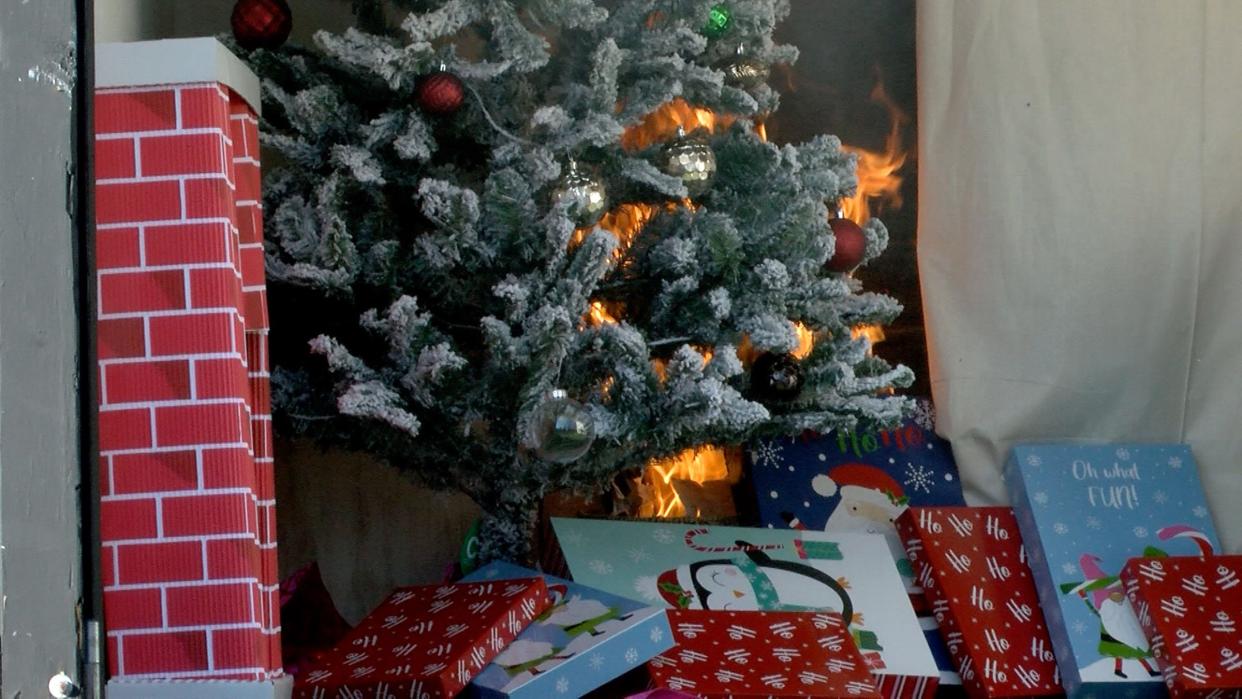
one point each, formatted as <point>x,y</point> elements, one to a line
<point>1083,511</point>
<point>585,639</point>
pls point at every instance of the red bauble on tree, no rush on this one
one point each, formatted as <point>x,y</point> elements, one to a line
<point>851,245</point>
<point>440,93</point>
<point>261,24</point>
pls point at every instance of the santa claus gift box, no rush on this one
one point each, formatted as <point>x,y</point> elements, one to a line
<point>972,568</point>
<point>860,481</point>
<point>762,654</point>
<point>1191,611</point>
<point>740,569</point>
<point>584,639</point>
<point>856,481</point>
<point>426,642</point>
<point>1084,510</point>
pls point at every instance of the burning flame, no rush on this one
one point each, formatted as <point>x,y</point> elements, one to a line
<point>661,125</point>
<point>877,179</point>
<point>703,464</point>
<point>877,171</point>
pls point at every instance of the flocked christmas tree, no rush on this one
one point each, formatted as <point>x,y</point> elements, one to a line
<point>502,267</point>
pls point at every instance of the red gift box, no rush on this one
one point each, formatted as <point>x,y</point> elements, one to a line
<point>972,567</point>
<point>762,654</point>
<point>1191,610</point>
<point>426,642</point>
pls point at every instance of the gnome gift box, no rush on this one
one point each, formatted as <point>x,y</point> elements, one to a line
<point>1084,510</point>
<point>426,642</point>
<point>1191,610</point>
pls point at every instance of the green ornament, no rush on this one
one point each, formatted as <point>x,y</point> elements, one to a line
<point>468,557</point>
<point>719,19</point>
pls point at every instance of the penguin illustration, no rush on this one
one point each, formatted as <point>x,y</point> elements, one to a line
<point>754,581</point>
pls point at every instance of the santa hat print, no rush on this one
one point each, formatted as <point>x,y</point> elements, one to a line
<point>860,482</point>
<point>672,591</point>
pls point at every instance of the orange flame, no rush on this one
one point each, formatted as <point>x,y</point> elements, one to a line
<point>703,464</point>
<point>661,125</point>
<point>877,171</point>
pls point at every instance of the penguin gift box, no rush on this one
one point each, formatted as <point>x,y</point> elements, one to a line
<point>733,569</point>
<point>1191,611</point>
<point>584,639</point>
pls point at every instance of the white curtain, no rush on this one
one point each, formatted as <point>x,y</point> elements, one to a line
<point>1080,229</point>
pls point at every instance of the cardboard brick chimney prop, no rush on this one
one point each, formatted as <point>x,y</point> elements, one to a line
<point>187,512</point>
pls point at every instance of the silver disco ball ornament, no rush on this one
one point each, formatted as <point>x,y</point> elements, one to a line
<point>583,194</point>
<point>562,430</point>
<point>691,160</point>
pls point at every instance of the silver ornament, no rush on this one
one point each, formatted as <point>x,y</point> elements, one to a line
<point>690,160</point>
<point>745,72</point>
<point>583,194</point>
<point>562,430</point>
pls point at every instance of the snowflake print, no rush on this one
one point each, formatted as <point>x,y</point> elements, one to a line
<point>1123,454</point>
<point>1175,462</point>
<point>638,554</point>
<point>1068,568</point>
<point>562,685</point>
<point>1034,460</point>
<point>1140,532</point>
<point>647,587</point>
<point>1040,498</point>
<point>663,536</point>
<point>768,453</point>
<point>656,635</point>
<point>1093,522</point>
<point>597,661</point>
<point>918,477</point>
<point>631,656</point>
<point>924,415</point>
<point>1200,511</point>
<point>573,538</point>
<point>1079,627</point>
<point>1060,528</point>
<point>600,567</point>
<point>1159,497</point>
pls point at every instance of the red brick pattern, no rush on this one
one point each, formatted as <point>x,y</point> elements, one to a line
<point>188,511</point>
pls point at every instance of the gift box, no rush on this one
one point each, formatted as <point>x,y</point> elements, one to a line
<point>584,639</point>
<point>856,481</point>
<point>1083,511</point>
<point>972,568</point>
<point>762,654</point>
<point>425,642</point>
<point>739,569</point>
<point>1191,609</point>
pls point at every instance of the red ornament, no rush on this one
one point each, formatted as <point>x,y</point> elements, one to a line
<point>851,245</point>
<point>440,93</point>
<point>261,24</point>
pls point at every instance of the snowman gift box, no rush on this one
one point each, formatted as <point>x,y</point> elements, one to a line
<point>584,639</point>
<point>731,569</point>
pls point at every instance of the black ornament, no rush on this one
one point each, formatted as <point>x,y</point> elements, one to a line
<point>776,378</point>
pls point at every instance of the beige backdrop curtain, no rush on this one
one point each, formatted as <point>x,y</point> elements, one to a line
<point>1080,229</point>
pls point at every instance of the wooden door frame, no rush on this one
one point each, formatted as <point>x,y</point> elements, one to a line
<point>48,468</point>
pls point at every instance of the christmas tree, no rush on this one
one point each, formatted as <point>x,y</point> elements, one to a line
<point>523,245</point>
